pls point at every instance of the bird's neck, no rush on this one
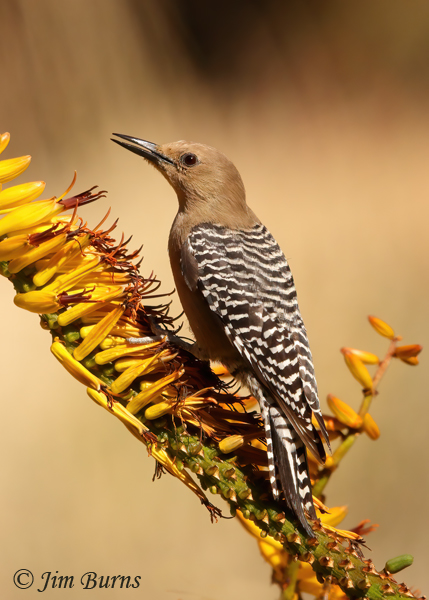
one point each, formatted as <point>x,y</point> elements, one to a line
<point>231,213</point>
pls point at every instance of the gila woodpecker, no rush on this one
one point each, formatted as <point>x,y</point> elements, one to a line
<point>239,296</point>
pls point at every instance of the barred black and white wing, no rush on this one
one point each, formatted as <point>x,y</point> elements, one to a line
<point>245,279</point>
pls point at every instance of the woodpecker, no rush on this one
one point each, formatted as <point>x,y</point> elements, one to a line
<point>238,293</point>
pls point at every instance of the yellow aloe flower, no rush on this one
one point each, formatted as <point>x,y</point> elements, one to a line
<point>13,247</point>
<point>126,378</point>
<point>38,301</point>
<point>98,333</point>
<point>117,409</point>
<point>69,280</point>
<point>116,352</point>
<point>31,256</point>
<point>100,295</point>
<point>14,196</point>
<point>28,215</point>
<point>9,169</point>
<point>151,392</point>
<point>48,269</point>
<point>74,367</point>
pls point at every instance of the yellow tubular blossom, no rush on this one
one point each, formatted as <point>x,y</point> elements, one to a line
<point>105,278</point>
<point>67,281</point>
<point>27,215</point>
<point>122,329</point>
<point>73,262</point>
<point>128,362</point>
<point>161,456</point>
<point>69,251</point>
<point>147,395</point>
<point>74,367</point>
<point>164,459</point>
<point>112,354</point>
<point>9,169</point>
<point>40,302</point>
<point>14,247</point>
<point>117,409</point>
<point>160,409</point>
<point>20,194</point>
<point>127,377</point>
<point>100,295</point>
<point>44,224</point>
<point>131,362</point>
<point>98,333</point>
<point>17,264</point>
<point>112,341</point>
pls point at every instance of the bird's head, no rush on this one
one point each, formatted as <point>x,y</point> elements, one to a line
<point>202,176</point>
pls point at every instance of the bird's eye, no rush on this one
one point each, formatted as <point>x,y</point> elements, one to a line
<point>189,159</point>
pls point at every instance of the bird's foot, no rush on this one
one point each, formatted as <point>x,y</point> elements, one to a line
<point>160,334</point>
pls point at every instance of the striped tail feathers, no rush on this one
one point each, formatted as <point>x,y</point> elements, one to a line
<point>302,423</point>
<point>291,462</point>
<point>265,412</point>
<point>319,418</point>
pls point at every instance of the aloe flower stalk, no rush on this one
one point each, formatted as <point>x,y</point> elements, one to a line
<point>91,297</point>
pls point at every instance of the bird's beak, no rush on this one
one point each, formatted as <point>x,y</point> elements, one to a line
<point>143,148</point>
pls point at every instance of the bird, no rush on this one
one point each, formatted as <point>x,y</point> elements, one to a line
<point>239,296</point>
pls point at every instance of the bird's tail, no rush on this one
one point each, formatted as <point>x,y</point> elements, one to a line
<point>287,460</point>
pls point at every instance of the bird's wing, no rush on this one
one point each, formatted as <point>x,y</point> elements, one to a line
<point>246,281</point>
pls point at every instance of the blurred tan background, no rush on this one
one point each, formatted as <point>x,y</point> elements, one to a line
<point>323,107</point>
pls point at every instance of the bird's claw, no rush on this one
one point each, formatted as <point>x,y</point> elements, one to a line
<point>161,334</point>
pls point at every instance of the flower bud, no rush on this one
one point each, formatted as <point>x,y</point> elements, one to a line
<point>408,351</point>
<point>344,412</point>
<point>381,327</point>
<point>358,370</point>
<point>394,565</point>
<point>231,443</point>
<point>370,427</point>
<point>4,140</point>
<point>412,360</point>
<point>366,357</point>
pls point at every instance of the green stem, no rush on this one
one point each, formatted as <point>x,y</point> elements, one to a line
<point>291,580</point>
<point>344,447</point>
<point>366,404</point>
